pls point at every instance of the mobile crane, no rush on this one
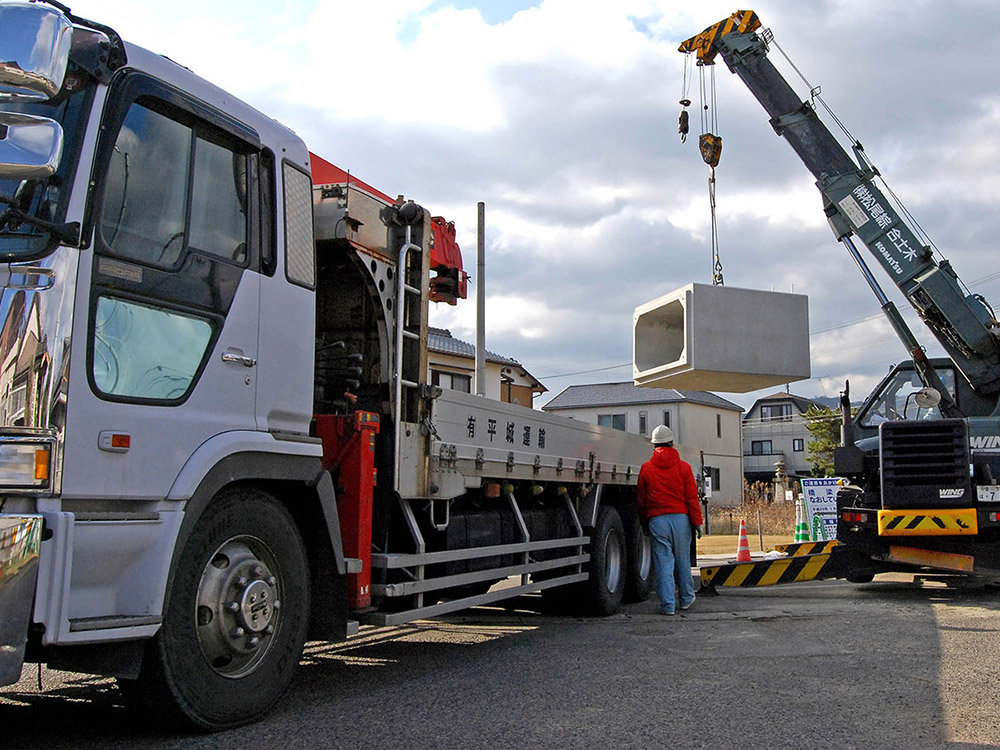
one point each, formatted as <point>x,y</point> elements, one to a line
<point>912,501</point>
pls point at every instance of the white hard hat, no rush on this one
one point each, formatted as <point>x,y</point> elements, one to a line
<point>662,434</point>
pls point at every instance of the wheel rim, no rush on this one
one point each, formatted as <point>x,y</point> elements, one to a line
<point>612,562</point>
<point>238,605</point>
<point>645,562</point>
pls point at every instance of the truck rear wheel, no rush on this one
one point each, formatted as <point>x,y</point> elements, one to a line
<point>236,618</point>
<point>639,554</point>
<point>607,563</point>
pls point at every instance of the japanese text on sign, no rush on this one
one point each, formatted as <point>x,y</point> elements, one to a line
<point>510,432</point>
<point>820,499</point>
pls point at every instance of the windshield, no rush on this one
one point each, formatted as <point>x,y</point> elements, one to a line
<point>45,199</point>
<point>895,398</point>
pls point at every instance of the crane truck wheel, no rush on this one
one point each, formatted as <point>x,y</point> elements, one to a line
<point>860,575</point>
<point>639,556</point>
<point>606,585</point>
<point>236,618</point>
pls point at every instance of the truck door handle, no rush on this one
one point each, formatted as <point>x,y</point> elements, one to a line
<point>235,355</point>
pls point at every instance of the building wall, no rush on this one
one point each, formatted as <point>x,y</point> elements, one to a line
<point>696,430</point>
<point>517,394</point>
<point>782,434</point>
<point>463,366</point>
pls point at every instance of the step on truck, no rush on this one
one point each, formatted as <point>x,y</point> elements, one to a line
<point>217,434</point>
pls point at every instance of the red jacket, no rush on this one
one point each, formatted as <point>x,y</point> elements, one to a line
<point>666,485</point>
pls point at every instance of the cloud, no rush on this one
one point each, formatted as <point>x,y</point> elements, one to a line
<point>562,114</point>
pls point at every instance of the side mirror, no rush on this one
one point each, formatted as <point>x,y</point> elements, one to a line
<point>34,51</point>
<point>34,55</point>
<point>30,147</point>
<point>927,398</point>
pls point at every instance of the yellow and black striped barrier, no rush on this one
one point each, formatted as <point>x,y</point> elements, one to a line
<point>793,568</point>
<point>806,548</point>
<point>957,522</point>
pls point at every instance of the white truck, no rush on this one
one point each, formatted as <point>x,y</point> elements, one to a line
<point>217,438</point>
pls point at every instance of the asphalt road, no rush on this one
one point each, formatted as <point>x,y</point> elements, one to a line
<point>890,664</point>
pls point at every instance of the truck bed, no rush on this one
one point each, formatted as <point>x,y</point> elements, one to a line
<point>473,438</point>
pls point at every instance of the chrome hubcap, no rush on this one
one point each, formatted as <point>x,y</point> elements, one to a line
<point>612,562</point>
<point>645,557</point>
<point>238,607</point>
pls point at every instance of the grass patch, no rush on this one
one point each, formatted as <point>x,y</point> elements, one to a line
<point>727,544</point>
<point>761,516</point>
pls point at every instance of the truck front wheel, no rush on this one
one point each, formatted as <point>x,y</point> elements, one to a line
<point>236,618</point>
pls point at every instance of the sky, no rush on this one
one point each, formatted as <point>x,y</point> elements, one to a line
<point>561,115</point>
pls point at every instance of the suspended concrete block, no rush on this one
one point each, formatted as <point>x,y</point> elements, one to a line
<point>719,338</point>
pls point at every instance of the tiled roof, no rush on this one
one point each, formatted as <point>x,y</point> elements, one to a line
<point>623,394</point>
<point>441,340</point>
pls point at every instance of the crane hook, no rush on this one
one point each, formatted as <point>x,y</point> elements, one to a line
<point>682,124</point>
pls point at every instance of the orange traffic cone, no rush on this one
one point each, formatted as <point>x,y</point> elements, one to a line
<point>743,550</point>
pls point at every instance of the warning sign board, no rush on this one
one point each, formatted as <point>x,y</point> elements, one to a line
<point>820,499</point>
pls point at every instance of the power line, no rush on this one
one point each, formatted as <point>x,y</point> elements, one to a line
<point>584,372</point>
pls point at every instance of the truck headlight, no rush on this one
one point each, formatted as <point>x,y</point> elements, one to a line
<point>25,464</point>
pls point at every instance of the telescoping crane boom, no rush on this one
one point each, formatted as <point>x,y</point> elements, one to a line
<point>855,206</point>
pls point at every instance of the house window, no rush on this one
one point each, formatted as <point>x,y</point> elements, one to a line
<point>798,445</point>
<point>718,425</point>
<point>643,427</point>
<point>617,421</point>
<point>775,412</point>
<point>713,475</point>
<point>760,447</point>
<point>453,381</point>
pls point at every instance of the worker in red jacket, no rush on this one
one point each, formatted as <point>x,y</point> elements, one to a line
<point>668,504</point>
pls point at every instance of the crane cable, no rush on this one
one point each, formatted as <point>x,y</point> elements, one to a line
<point>815,95</point>
<point>709,144</point>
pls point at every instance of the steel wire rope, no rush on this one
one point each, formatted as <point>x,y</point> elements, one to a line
<point>710,125</point>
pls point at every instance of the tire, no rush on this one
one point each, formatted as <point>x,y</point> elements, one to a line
<point>224,655</point>
<point>859,567</point>
<point>606,585</point>
<point>639,558</point>
<point>860,575</point>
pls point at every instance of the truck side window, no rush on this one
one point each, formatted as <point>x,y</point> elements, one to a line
<point>894,398</point>
<point>155,205</point>
<point>300,256</point>
<point>146,352</point>
<point>219,202</point>
<point>145,195</point>
<point>268,241</point>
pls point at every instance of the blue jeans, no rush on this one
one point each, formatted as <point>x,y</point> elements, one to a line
<point>671,536</point>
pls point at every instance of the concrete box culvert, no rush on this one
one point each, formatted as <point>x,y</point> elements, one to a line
<point>716,338</point>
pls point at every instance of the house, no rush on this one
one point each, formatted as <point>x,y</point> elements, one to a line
<point>452,364</point>
<point>706,426</point>
<point>774,429</point>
